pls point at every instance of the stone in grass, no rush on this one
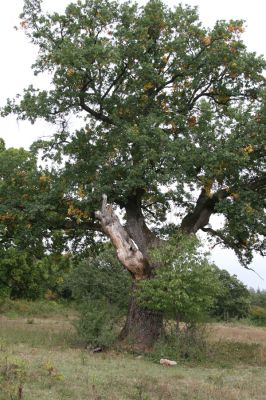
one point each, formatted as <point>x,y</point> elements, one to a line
<point>167,363</point>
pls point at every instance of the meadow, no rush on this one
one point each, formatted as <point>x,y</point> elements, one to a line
<point>42,358</point>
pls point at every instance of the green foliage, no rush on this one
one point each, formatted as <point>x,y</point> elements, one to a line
<point>196,346</point>
<point>151,85</point>
<point>233,300</point>
<point>18,275</point>
<point>102,287</point>
<point>97,323</point>
<point>258,297</point>
<point>24,276</point>
<point>13,375</point>
<point>101,277</point>
<point>37,308</point>
<point>185,286</point>
<point>190,345</point>
<point>32,208</point>
<point>257,315</point>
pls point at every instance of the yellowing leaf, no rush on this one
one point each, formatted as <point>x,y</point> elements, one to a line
<point>223,99</point>
<point>208,186</point>
<point>81,192</point>
<point>249,209</point>
<point>148,86</point>
<point>235,196</point>
<point>144,99</point>
<point>236,28</point>
<point>165,59</point>
<point>70,72</point>
<point>207,40</point>
<point>76,213</point>
<point>7,217</point>
<point>165,106</point>
<point>248,149</point>
<point>24,24</point>
<point>192,120</point>
<point>44,178</point>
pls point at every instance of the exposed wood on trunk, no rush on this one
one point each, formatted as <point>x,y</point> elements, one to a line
<point>127,251</point>
<point>204,208</point>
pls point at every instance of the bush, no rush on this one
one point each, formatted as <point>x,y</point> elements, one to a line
<point>194,345</point>
<point>97,323</point>
<point>184,287</point>
<point>191,344</point>
<point>101,277</point>
<point>257,315</point>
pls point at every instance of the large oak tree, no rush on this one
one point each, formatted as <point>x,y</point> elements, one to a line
<point>170,115</point>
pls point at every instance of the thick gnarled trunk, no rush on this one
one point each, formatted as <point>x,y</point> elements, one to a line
<point>132,242</point>
<point>142,326</point>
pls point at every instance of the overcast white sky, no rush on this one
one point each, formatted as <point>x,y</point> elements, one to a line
<point>17,55</point>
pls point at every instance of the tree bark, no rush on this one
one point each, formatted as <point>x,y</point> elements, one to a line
<point>205,207</point>
<point>136,226</point>
<point>142,326</point>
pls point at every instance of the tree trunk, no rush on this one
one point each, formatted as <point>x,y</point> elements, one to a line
<point>142,326</point>
<point>132,242</point>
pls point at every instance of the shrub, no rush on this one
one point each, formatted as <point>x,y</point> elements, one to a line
<point>97,323</point>
<point>101,277</point>
<point>184,287</point>
<point>191,344</point>
<point>36,308</point>
<point>258,315</point>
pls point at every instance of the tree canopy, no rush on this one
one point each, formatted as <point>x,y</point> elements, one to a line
<point>172,113</point>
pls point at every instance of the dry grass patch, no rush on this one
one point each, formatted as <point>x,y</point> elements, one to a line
<point>238,333</point>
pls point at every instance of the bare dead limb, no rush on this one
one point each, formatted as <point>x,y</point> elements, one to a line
<point>127,251</point>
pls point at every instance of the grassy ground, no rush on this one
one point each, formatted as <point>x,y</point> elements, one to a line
<point>40,358</point>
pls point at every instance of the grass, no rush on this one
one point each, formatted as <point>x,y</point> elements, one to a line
<point>41,360</point>
<point>39,309</point>
<point>239,333</point>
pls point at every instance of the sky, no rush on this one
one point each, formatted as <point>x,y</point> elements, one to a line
<point>17,56</point>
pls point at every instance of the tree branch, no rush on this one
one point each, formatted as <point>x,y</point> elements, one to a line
<point>98,115</point>
<point>119,76</point>
<point>204,208</point>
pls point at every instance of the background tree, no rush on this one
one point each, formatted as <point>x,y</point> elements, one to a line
<point>233,300</point>
<point>258,307</point>
<point>36,212</point>
<point>171,115</point>
<point>22,275</point>
<point>258,297</point>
